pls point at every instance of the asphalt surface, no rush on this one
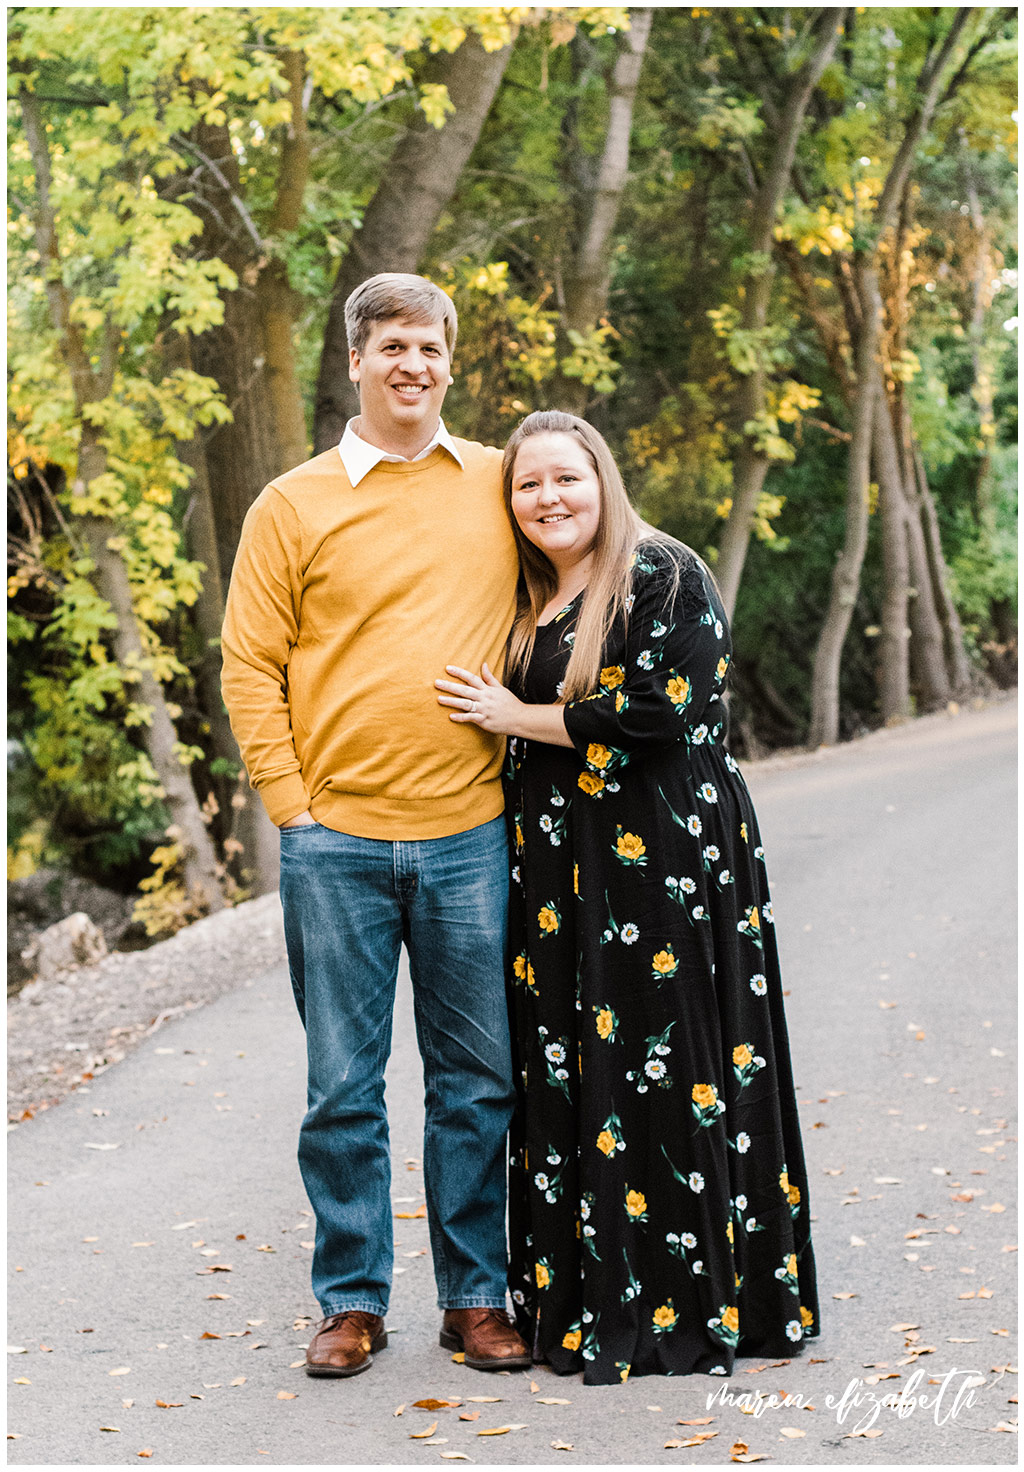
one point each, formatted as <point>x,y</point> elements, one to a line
<point>893,867</point>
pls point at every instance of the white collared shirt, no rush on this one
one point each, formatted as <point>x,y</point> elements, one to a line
<point>359,457</point>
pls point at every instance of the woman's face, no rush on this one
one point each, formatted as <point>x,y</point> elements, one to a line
<point>556,497</point>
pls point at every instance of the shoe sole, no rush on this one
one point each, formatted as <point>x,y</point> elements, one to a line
<point>510,1362</point>
<point>336,1372</point>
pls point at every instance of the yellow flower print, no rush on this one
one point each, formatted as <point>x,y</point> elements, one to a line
<point>754,919</point>
<point>572,1339</point>
<point>575,878</point>
<point>806,1317</point>
<point>605,1023</point>
<point>624,1373</point>
<point>519,838</point>
<point>678,690</point>
<point>636,1203</point>
<point>784,1181</point>
<point>542,1274</point>
<point>664,1317</point>
<point>531,978</point>
<point>730,1233</point>
<point>723,665</point>
<point>743,833</point>
<point>738,1280</point>
<point>731,1319</point>
<point>791,1264</point>
<point>630,846</point>
<point>620,701</point>
<point>705,1096</point>
<point>612,676</point>
<point>519,966</point>
<point>664,963</point>
<point>794,1195</point>
<point>598,755</point>
<point>742,1055</point>
<point>606,1142</point>
<point>590,784</point>
<point>547,919</point>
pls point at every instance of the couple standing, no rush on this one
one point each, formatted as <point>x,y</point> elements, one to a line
<point>657,1194</point>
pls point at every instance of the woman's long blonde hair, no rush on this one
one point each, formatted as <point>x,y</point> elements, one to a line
<point>619,530</point>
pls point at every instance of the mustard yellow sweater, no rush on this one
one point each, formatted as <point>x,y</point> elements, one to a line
<point>346,603</point>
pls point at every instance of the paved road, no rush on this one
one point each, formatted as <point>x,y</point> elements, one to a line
<point>893,868</point>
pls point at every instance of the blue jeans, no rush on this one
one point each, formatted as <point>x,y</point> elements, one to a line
<point>349,903</point>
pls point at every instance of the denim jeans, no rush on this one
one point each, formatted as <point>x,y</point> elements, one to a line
<point>349,903</point>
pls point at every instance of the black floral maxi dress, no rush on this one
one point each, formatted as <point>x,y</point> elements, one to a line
<point>658,1200</point>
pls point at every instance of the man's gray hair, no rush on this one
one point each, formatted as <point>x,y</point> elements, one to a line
<point>398,294</point>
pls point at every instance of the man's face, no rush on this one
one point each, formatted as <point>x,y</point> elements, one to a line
<point>403,374</point>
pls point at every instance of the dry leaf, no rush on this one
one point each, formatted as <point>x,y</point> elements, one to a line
<point>208,1335</point>
<point>483,1399</point>
<point>170,1405</point>
<point>845,1295</point>
<point>22,1381</point>
<point>419,1435</point>
<point>469,1416</point>
<point>435,1405</point>
<point>110,1428</point>
<point>90,1146</point>
<point>287,1395</point>
<point>396,1412</point>
<point>697,1421</point>
<point>984,1292</point>
<point>563,1446</point>
<point>857,1242</point>
<point>409,1216</point>
<point>872,1431</point>
<point>437,1441</point>
<point>124,1370</point>
<point>126,1405</point>
<point>459,1357</point>
<point>552,1400</point>
<point>902,1328</point>
<point>239,1380</point>
<point>456,1456</point>
<point>147,1451</point>
<point>1004,1426</point>
<point>791,1431</point>
<point>494,1431</point>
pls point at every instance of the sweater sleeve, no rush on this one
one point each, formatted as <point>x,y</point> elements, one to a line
<point>260,629</point>
<point>660,681</point>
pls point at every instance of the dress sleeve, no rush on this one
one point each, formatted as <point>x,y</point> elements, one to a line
<point>665,678</point>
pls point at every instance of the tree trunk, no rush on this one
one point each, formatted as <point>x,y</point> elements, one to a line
<point>894,659</point>
<point>419,180</point>
<point>585,285</point>
<point>91,384</point>
<point>960,672</point>
<point>824,729</point>
<point>751,465</point>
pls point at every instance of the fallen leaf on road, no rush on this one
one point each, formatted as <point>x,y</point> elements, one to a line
<point>218,1295</point>
<point>483,1399</point>
<point>871,1431</point>
<point>888,1181</point>
<point>419,1435</point>
<point>90,1146</point>
<point>791,1431</point>
<point>240,1380</point>
<point>456,1456</point>
<point>494,1430</point>
<point>470,1416</point>
<point>22,1381</point>
<point>435,1405</point>
<point>287,1395</point>
<point>409,1216</point>
<point>396,1412</point>
<point>147,1451</point>
<point>740,1453</point>
<point>845,1295</point>
<point>124,1370</point>
<point>552,1400</point>
<point>902,1328</point>
<point>170,1405</point>
<point>437,1441</point>
<point>16,1349</point>
<point>697,1421</point>
<point>563,1446</point>
<point>984,1292</point>
<point>110,1428</point>
<point>857,1242</point>
<point>460,1357</point>
<point>126,1405</point>
<point>1004,1426</point>
<point>206,1335</point>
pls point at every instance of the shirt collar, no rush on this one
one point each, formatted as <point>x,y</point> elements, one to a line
<point>359,457</point>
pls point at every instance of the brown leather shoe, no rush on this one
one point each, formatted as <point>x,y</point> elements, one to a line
<point>487,1336</point>
<point>344,1343</point>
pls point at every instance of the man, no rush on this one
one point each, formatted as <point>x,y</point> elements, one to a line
<point>359,576</point>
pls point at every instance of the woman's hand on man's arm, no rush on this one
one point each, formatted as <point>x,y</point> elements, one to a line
<point>485,701</point>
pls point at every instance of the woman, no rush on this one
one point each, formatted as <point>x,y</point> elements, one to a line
<point>658,1203</point>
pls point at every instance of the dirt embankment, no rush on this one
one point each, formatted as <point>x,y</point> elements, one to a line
<point>63,1032</point>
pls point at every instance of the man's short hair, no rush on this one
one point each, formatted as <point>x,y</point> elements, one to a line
<point>398,294</point>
